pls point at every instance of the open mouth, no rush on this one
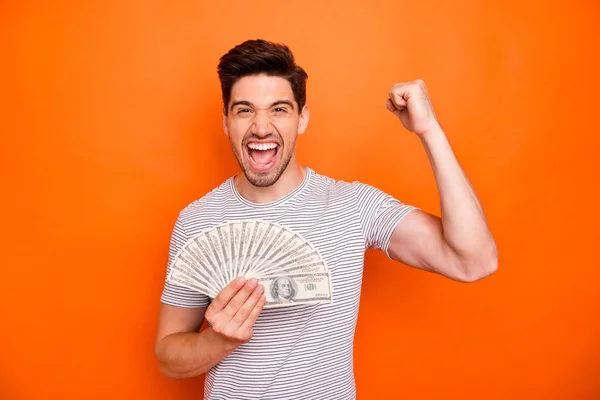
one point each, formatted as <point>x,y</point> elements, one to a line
<point>262,155</point>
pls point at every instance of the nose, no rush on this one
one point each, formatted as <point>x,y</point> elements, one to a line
<point>261,124</point>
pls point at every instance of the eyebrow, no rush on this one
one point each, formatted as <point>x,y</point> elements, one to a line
<point>275,103</point>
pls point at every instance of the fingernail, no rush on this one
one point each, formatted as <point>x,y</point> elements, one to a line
<point>259,289</point>
<point>240,280</point>
<point>252,283</point>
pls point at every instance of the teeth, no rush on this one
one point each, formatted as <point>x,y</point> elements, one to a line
<point>262,146</point>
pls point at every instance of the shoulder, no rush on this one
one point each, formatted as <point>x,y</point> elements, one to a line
<point>363,195</point>
<point>336,188</point>
<point>334,185</point>
<point>208,205</point>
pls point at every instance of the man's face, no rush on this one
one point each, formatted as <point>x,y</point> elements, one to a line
<point>284,288</point>
<point>262,124</point>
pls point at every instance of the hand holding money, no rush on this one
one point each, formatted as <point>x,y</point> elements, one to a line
<point>234,310</point>
<point>291,270</point>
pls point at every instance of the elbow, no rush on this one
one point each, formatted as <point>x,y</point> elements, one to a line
<point>480,266</point>
<point>169,373</point>
<point>164,366</point>
<point>479,272</point>
<point>175,371</point>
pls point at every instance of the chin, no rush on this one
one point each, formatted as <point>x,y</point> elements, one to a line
<point>265,178</point>
<point>262,179</point>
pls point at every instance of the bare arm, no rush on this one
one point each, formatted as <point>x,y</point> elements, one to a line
<point>459,245</point>
<point>184,352</point>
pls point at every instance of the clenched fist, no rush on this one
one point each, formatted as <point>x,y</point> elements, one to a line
<point>410,102</point>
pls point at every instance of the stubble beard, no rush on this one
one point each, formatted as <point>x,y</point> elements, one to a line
<point>269,179</point>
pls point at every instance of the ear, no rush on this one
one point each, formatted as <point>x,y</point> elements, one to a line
<point>225,129</point>
<point>303,121</point>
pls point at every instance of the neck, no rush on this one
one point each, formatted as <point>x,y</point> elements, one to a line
<point>291,178</point>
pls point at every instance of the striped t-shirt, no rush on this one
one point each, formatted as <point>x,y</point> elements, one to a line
<point>299,351</point>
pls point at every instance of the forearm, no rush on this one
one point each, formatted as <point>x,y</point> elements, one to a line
<point>189,354</point>
<point>464,225</point>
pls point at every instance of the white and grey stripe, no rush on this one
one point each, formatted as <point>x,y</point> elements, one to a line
<point>302,351</point>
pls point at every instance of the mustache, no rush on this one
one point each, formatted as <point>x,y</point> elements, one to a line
<point>271,136</point>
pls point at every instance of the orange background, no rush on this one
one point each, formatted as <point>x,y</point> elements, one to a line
<point>110,122</point>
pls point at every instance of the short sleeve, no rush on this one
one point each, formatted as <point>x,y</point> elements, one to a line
<point>380,213</point>
<point>175,295</point>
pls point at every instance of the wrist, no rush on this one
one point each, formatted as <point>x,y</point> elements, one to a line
<point>433,135</point>
<point>218,341</point>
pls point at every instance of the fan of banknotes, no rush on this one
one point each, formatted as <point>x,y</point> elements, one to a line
<point>290,268</point>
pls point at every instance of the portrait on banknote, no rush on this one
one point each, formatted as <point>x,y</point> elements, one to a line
<point>284,289</point>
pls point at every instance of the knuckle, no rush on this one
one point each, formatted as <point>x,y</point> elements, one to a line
<point>229,332</point>
<point>246,336</point>
<point>248,288</point>
<point>240,337</point>
<point>218,328</point>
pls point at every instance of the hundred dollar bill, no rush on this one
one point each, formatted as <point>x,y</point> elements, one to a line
<point>213,267</point>
<point>299,248</point>
<point>292,244</point>
<point>307,263</point>
<point>211,251</point>
<point>225,244</point>
<point>190,261</point>
<point>270,238</point>
<point>282,251</point>
<point>288,289</point>
<point>256,237</point>
<point>199,247</point>
<point>273,249</point>
<point>281,241</point>
<point>217,250</point>
<point>303,256</point>
<point>303,268</point>
<point>180,277</point>
<point>245,235</point>
<point>235,235</point>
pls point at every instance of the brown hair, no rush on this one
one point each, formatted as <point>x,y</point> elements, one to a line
<point>255,57</point>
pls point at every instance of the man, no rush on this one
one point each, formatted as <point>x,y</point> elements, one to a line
<point>305,351</point>
<point>282,290</point>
